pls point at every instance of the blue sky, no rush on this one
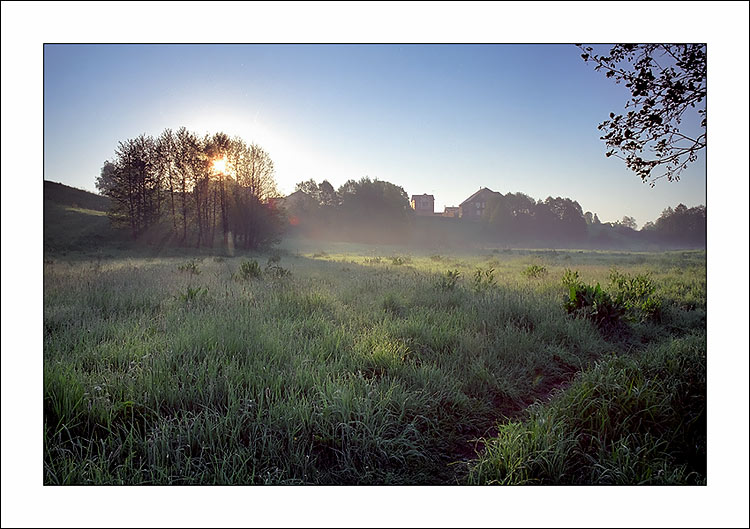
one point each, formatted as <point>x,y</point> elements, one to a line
<point>439,119</point>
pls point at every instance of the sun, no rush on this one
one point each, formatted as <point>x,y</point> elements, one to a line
<point>220,165</point>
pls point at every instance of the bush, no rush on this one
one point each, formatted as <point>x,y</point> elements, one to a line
<point>249,270</point>
<point>483,279</point>
<point>591,302</point>
<point>274,269</point>
<point>193,295</point>
<point>534,272</point>
<point>190,267</point>
<point>273,259</point>
<point>636,294</point>
<point>448,280</point>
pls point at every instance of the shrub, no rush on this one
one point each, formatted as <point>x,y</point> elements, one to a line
<point>448,280</point>
<point>273,259</point>
<point>591,302</point>
<point>193,295</point>
<point>483,279</point>
<point>570,278</point>
<point>274,269</point>
<point>249,270</point>
<point>534,271</point>
<point>436,257</point>
<point>190,267</point>
<point>372,260</point>
<point>636,294</point>
<point>278,271</point>
<point>397,260</point>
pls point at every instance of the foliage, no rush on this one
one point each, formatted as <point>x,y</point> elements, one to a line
<point>249,269</point>
<point>591,302</point>
<point>448,280</point>
<point>194,294</point>
<point>274,269</point>
<point>535,271</point>
<point>636,295</point>
<point>170,186</point>
<point>191,267</point>
<point>666,81</point>
<point>483,279</point>
<point>518,217</point>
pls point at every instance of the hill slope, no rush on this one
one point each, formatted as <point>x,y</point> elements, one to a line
<point>75,219</point>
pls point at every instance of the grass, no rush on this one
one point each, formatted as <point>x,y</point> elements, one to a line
<point>367,365</point>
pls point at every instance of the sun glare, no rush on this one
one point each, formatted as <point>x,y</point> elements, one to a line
<point>220,165</point>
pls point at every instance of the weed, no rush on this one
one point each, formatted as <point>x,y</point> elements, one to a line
<point>636,293</point>
<point>483,279</point>
<point>448,280</point>
<point>571,278</point>
<point>373,260</point>
<point>249,270</point>
<point>193,295</point>
<point>436,257</point>
<point>191,267</point>
<point>273,259</point>
<point>534,271</point>
<point>591,302</point>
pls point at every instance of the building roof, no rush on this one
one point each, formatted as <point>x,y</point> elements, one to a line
<point>481,190</point>
<point>424,195</point>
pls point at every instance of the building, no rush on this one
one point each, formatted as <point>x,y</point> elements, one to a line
<point>423,204</point>
<point>451,211</point>
<point>473,207</point>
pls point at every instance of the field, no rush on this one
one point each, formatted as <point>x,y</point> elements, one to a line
<point>343,364</point>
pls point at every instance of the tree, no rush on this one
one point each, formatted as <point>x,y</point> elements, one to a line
<point>133,185</point>
<point>165,163</point>
<point>629,222</point>
<point>667,83</point>
<point>202,182</point>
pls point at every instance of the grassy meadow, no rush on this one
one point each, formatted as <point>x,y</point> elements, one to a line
<point>327,363</point>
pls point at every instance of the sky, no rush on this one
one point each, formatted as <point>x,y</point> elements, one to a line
<point>439,119</point>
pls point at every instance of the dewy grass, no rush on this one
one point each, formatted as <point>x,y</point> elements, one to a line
<point>348,371</point>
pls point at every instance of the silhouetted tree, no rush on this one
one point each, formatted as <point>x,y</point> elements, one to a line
<point>629,222</point>
<point>182,167</point>
<point>133,185</point>
<point>666,81</point>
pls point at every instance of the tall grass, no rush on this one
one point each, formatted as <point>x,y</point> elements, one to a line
<point>347,369</point>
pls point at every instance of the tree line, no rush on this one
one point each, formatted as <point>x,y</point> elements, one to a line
<point>192,190</point>
<point>368,210</point>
